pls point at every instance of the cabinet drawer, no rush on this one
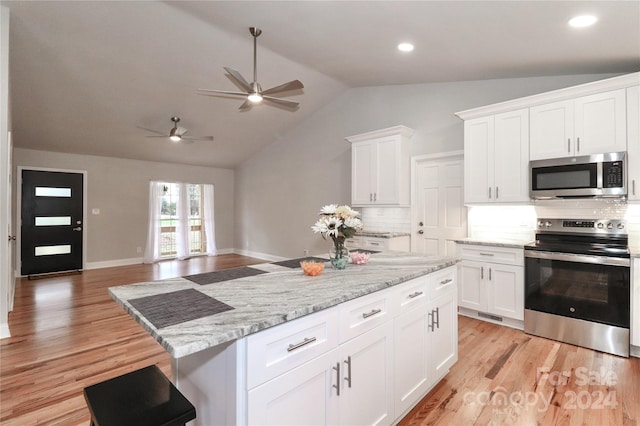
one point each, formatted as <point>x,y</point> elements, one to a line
<point>443,282</point>
<point>410,294</point>
<point>505,255</point>
<point>364,313</point>
<point>278,349</point>
<point>373,243</point>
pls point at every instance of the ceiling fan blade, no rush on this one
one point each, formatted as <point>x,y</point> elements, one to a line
<point>222,92</point>
<point>238,78</point>
<point>286,87</point>
<point>283,102</point>
<point>245,106</point>
<point>180,131</point>
<point>151,130</point>
<point>197,138</point>
<point>158,136</point>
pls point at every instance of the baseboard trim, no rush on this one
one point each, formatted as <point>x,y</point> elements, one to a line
<point>508,322</point>
<point>113,263</point>
<point>4,330</point>
<point>634,351</point>
<point>259,255</point>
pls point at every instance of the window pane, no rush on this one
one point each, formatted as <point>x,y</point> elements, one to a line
<point>47,191</point>
<point>49,250</point>
<point>53,220</point>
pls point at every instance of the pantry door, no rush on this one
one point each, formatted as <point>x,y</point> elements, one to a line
<point>438,215</point>
<point>52,221</point>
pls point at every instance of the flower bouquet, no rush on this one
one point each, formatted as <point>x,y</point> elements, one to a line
<point>338,223</point>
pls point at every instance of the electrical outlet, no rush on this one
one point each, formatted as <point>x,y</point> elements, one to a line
<point>306,252</point>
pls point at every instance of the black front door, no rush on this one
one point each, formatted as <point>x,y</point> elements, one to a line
<point>52,221</point>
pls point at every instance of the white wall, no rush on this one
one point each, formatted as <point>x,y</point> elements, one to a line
<point>120,189</point>
<point>281,189</point>
<point>6,277</point>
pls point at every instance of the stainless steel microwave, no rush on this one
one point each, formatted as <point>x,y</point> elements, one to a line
<point>601,175</point>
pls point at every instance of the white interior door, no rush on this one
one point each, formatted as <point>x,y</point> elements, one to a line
<point>439,216</point>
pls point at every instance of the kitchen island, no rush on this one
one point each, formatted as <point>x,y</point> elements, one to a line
<point>265,344</point>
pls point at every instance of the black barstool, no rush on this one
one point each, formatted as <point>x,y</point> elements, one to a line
<point>143,397</point>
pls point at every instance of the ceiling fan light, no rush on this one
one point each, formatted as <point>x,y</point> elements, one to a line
<point>583,21</point>
<point>175,138</point>
<point>255,98</point>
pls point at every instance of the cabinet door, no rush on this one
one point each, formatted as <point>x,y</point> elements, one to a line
<point>551,130</point>
<point>505,287</point>
<point>600,123</point>
<point>633,142</point>
<point>472,293</point>
<point>366,395</point>
<point>363,168</point>
<point>304,395</point>
<point>478,160</point>
<point>387,181</point>
<point>410,376</point>
<point>511,156</point>
<point>635,302</point>
<point>443,337</point>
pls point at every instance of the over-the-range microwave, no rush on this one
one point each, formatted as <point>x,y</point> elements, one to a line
<point>601,175</point>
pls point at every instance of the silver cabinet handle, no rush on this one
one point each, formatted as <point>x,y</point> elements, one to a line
<point>497,193</point>
<point>348,378</point>
<point>375,196</point>
<point>337,385</point>
<point>371,313</point>
<point>447,281</point>
<point>489,274</point>
<point>569,145</point>
<point>486,254</point>
<point>633,186</point>
<point>578,144</point>
<point>436,322</point>
<point>489,192</point>
<point>416,294</point>
<point>482,272</point>
<point>430,324</point>
<point>306,341</point>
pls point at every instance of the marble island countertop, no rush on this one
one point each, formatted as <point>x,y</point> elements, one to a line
<point>494,242</point>
<point>381,234</point>
<point>273,295</point>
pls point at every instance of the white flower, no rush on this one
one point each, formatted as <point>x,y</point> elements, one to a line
<point>346,211</point>
<point>353,222</point>
<point>329,209</point>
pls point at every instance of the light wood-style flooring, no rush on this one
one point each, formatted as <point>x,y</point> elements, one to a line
<point>67,333</point>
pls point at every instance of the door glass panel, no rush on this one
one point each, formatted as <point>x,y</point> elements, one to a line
<point>53,220</point>
<point>47,191</point>
<point>49,250</point>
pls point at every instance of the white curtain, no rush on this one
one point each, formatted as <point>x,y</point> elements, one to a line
<point>152,249</point>
<point>208,219</point>
<point>183,227</point>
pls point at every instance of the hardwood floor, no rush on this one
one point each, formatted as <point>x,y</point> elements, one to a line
<point>67,333</point>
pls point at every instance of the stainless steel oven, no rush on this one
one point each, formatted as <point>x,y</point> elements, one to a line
<point>577,283</point>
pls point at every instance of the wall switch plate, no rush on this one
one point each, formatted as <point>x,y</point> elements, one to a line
<point>95,211</point>
<point>306,252</point>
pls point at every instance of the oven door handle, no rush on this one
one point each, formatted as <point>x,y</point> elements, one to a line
<point>578,258</point>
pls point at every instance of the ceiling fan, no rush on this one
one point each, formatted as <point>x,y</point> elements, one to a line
<point>253,91</point>
<point>177,133</point>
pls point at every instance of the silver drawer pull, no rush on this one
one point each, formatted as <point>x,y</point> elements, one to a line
<point>374,243</point>
<point>373,312</point>
<point>447,281</point>
<point>416,294</point>
<point>486,254</point>
<point>306,341</point>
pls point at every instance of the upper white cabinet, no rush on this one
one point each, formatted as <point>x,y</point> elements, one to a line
<point>633,142</point>
<point>592,124</point>
<point>380,167</point>
<point>496,158</point>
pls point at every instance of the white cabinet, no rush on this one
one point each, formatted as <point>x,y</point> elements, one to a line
<point>586,125</point>
<point>635,303</point>
<point>399,243</point>
<point>492,282</point>
<point>633,142</point>
<point>496,158</point>
<point>442,324</point>
<point>380,167</point>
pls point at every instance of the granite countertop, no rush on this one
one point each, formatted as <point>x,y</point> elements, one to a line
<point>271,296</point>
<point>382,234</point>
<point>495,243</point>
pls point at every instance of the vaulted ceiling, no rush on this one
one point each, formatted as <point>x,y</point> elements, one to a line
<point>84,75</point>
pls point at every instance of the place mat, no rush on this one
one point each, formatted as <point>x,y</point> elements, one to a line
<point>163,310</point>
<point>224,275</point>
<point>295,263</point>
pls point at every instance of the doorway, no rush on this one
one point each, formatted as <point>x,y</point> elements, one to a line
<point>438,214</point>
<point>52,221</point>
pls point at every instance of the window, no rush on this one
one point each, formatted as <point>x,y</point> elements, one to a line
<point>169,219</point>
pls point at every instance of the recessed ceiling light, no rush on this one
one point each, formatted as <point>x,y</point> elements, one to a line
<point>405,47</point>
<point>583,21</point>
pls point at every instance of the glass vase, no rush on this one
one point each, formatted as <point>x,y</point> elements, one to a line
<point>338,255</point>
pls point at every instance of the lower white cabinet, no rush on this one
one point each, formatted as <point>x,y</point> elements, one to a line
<point>394,346</point>
<point>635,303</point>
<point>492,283</point>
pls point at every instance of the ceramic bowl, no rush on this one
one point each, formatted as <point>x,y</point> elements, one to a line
<point>312,268</point>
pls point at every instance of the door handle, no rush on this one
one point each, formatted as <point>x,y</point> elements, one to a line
<point>421,232</point>
<point>79,228</point>
<point>12,237</point>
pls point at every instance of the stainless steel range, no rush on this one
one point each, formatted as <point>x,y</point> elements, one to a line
<point>577,283</point>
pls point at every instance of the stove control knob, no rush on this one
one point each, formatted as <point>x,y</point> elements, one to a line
<point>621,226</point>
<point>609,225</point>
<point>600,225</point>
<point>548,224</point>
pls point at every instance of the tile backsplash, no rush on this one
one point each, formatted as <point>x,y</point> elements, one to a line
<point>386,219</point>
<point>502,223</point>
